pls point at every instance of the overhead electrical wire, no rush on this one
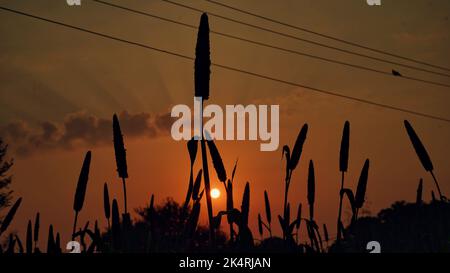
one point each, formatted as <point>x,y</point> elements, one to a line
<point>230,68</point>
<point>387,73</point>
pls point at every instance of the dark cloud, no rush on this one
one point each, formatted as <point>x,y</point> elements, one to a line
<point>81,129</point>
<point>164,122</point>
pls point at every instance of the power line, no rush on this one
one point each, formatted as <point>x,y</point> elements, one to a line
<point>270,46</point>
<point>306,40</point>
<point>331,93</point>
<point>327,36</point>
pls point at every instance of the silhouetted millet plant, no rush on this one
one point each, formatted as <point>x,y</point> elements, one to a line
<point>175,228</point>
<point>423,155</point>
<point>80,191</point>
<point>36,232</point>
<point>343,166</point>
<point>292,161</point>
<point>29,239</point>
<point>267,224</point>
<point>106,204</point>
<point>121,158</point>
<point>419,192</point>
<point>9,216</point>
<point>201,81</point>
<point>192,146</point>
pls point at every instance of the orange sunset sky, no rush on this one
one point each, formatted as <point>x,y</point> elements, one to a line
<point>60,87</point>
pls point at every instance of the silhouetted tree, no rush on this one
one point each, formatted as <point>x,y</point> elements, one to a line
<point>404,227</point>
<point>169,220</point>
<point>5,179</point>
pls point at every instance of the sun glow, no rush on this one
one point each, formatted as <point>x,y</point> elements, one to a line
<point>215,193</point>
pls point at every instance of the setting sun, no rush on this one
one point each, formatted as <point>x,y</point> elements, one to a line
<point>215,193</point>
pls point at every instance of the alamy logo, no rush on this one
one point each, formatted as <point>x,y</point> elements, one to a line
<point>374,2</point>
<point>74,247</point>
<point>73,2</point>
<point>235,118</point>
<point>373,247</point>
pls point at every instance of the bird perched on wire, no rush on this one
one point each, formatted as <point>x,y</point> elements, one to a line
<point>396,73</point>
